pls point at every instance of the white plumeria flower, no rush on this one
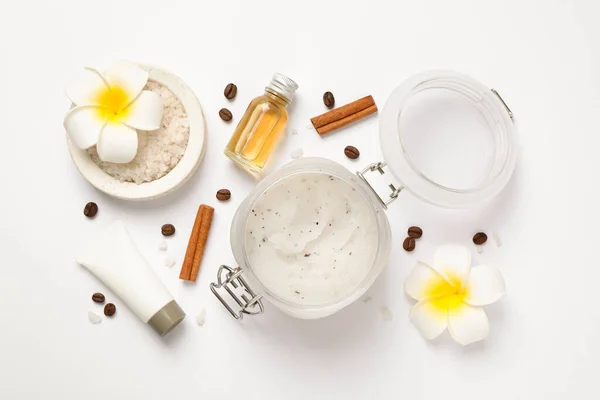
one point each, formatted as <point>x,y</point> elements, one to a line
<point>109,108</point>
<point>450,294</point>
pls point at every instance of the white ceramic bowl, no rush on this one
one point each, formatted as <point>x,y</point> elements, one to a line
<point>194,152</point>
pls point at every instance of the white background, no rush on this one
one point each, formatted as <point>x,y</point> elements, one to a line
<point>543,56</point>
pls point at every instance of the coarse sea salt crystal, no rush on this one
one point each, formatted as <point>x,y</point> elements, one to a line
<point>296,154</point>
<point>201,318</point>
<point>497,239</point>
<point>169,261</point>
<point>162,245</point>
<point>94,317</point>
<point>479,248</point>
<point>294,131</point>
<point>386,314</point>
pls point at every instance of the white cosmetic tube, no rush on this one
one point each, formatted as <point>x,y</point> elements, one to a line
<point>115,259</point>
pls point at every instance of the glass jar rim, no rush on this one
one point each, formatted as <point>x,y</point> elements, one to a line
<point>308,165</point>
<point>412,178</point>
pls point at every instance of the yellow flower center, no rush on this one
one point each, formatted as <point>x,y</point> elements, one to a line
<point>113,102</point>
<point>445,296</point>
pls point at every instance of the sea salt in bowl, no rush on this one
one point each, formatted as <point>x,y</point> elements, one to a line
<point>176,177</point>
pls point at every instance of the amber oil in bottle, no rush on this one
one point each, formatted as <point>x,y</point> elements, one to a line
<point>262,125</point>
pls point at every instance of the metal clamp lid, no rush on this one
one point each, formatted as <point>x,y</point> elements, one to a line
<point>379,168</point>
<point>508,110</point>
<point>233,278</point>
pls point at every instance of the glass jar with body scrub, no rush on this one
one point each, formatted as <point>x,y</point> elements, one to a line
<point>312,237</point>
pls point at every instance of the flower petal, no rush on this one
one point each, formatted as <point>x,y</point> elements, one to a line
<point>83,125</point>
<point>430,317</point>
<point>83,89</point>
<point>118,143</point>
<point>423,282</point>
<point>467,324</point>
<point>453,263</point>
<point>127,76</point>
<point>145,113</point>
<point>486,286</point>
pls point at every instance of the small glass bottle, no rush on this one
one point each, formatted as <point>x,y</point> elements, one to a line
<point>262,125</point>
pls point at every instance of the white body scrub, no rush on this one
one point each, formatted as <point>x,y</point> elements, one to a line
<point>159,151</point>
<point>311,239</point>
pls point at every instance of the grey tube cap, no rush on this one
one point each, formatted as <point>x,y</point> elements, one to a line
<point>167,318</point>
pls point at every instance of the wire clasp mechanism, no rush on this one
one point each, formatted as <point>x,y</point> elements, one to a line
<point>231,279</point>
<point>379,168</point>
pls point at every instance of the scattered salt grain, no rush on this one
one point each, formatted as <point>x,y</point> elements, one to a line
<point>201,317</point>
<point>497,239</point>
<point>94,317</point>
<point>158,151</point>
<point>296,154</point>
<point>310,126</point>
<point>479,248</point>
<point>294,131</point>
<point>169,261</point>
<point>386,314</point>
<point>367,299</point>
<point>162,245</point>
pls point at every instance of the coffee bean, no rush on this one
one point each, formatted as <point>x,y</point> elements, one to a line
<point>98,298</point>
<point>223,194</point>
<point>415,232</point>
<point>328,99</point>
<point>351,152</point>
<point>409,244</point>
<point>167,230</point>
<point>90,210</point>
<point>110,309</point>
<point>480,238</point>
<point>225,114</point>
<point>230,91</point>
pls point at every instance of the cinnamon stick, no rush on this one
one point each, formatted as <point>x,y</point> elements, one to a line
<point>197,243</point>
<point>344,115</point>
<point>207,217</point>
<point>347,120</point>
<point>188,260</point>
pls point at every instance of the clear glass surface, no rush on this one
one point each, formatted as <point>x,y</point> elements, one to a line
<point>449,139</point>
